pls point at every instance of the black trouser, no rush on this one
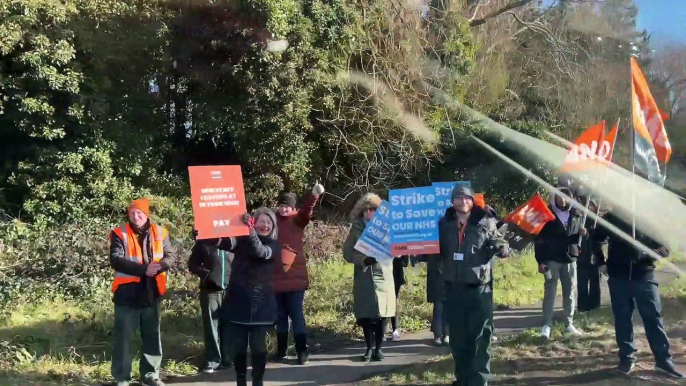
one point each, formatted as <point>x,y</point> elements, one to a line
<point>126,321</point>
<point>373,331</point>
<point>588,284</point>
<point>643,294</point>
<point>243,335</point>
<point>395,322</point>
<point>470,315</point>
<point>211,303</point>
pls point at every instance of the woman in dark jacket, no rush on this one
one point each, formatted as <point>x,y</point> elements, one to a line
<point>250,309</point>
<point>213,267</point>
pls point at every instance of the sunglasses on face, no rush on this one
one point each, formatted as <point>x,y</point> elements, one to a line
<point>370,210</point>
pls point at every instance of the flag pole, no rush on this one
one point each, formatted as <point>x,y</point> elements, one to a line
<point>633,158</point>
<point>612,149</point>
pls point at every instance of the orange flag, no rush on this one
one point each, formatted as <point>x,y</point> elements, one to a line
<point>648,124</point>
<point>587,149</point>
<point>609,142</point>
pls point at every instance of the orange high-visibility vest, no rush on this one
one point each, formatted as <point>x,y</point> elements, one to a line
<point>133,252</point>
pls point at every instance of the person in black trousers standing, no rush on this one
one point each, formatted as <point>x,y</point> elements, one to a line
<point>213,267</point>
<point>588,273</point>
<point>399,265</point>
<point>632,285</point>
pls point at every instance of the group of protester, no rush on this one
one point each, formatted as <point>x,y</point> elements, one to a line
<point>250,283</point>
<point>247,285</point>
<point>571,250</point>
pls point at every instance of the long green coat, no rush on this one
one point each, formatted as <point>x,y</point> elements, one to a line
<point>373,288</point>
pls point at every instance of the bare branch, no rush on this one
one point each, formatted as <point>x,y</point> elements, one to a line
<point>507,8</point>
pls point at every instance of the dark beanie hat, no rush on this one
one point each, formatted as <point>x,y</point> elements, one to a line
<point>462,190</point>
<point>288,199</point>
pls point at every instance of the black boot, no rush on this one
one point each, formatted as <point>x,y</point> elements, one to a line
<point>301,349</point>
<point>259,362</point>
<point>281,347</point>
<point>369,341</point>
<point>240,364</point>
<point>378,341</point>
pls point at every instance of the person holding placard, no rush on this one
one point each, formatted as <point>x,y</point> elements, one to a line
<point>373,286</point>
<point>140,254</point>
<point>290,276</point>
<point>469,240</point>
<point>250,309</point>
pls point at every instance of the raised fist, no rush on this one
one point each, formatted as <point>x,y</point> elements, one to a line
<point>318,189</point>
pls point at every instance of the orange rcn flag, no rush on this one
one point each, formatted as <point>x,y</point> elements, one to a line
<point>587,149</point>
<point>651,145</point>
<point>526,222</point>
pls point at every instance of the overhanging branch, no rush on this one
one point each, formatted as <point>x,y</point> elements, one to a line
<point>508,7</point>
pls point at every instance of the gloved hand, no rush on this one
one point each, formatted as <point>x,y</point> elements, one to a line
<point>195,234</point>
<point>369,261</point>
<point>318,189</point>
<point>248,220</point>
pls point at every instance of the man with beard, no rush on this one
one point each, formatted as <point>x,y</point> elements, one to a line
<point>469,240</point>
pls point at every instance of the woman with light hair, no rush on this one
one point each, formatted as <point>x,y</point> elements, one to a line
<point>373,287</point>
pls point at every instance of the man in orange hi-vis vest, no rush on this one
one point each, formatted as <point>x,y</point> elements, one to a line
<point>140,254</point>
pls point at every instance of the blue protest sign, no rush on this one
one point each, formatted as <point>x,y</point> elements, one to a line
<point>414,221</point>
<point>443,191</point>
<point>375,240</point>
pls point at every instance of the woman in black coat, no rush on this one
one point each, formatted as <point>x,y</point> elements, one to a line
<point>250,309</point>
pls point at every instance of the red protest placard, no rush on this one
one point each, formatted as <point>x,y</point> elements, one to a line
<point>218,201</point>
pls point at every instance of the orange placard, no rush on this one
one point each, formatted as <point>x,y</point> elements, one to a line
<point>218,200</point>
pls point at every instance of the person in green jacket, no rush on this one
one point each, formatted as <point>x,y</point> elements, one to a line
<point>469,240</point>
<point>213,267</point>
<point>373,286</point>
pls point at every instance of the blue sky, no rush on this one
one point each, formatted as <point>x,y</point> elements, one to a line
<point>665,20</point>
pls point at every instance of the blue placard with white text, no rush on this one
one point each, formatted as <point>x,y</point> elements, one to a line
<point>414,221</point>
<point>375,240</point>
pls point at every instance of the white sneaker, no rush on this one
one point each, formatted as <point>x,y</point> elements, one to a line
<point>494,339</point>
<point>545,332</point>
<point>446,340</point>
<point>396,336</point>
<point>571,330</point>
